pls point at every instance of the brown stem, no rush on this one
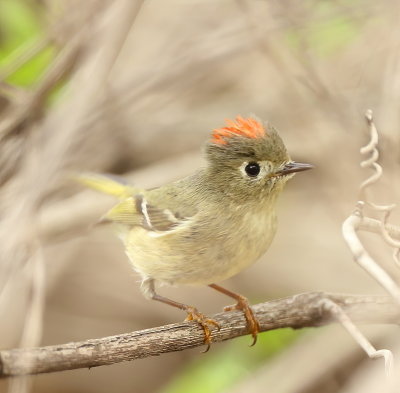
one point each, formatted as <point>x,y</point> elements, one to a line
<point>303,310</point>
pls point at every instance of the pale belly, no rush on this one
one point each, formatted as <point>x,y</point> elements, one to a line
<point>200,256</point>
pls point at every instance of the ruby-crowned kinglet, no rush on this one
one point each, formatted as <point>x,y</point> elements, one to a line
<point>208,226</point>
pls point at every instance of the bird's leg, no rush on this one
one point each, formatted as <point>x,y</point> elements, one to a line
<point>243,305</point>
<point>193,313</point>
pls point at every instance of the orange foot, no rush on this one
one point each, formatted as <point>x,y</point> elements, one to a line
<point>204,322</point>
<point>252,322</point>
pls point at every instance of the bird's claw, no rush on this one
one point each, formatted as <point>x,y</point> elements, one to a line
<point>252,322</point>
<point>204,322</point>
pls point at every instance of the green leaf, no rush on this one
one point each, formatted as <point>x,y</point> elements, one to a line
<point>20,28</point>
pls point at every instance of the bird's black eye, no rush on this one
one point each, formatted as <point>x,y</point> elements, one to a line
<point>252,169</point>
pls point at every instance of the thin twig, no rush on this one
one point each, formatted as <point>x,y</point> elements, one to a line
<point>347,323</point>
<point>371,162</point>
<point>357,221</point>
<point>372,149</point>
<point>372,225</point>
<point>303,310</point>
<point>362,257</point>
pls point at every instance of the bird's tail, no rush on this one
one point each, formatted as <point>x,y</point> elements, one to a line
<point>107,184</point>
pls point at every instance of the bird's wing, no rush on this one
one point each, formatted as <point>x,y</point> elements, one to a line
<point>137,211</point>
<point>152,209</point>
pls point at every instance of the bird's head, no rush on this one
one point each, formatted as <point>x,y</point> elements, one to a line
<point>248,158</point>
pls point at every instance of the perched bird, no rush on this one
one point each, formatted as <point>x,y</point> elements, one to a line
<point>210,225</point>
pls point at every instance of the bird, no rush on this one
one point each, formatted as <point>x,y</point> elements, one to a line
<point>210,225</point>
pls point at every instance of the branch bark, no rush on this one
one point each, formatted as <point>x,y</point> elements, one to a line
<point>299,311</point>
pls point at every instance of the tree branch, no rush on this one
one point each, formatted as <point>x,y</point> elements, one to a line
<point>303,310</point>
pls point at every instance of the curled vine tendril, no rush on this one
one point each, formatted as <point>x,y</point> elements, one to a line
<point>371,162</point>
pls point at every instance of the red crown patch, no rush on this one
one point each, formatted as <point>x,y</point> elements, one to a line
<point>249,128</point>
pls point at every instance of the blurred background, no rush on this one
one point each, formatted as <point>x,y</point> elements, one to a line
<point>134,88</point>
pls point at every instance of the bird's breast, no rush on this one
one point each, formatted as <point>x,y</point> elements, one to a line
<point>206,249</point>
<point>248,240</point>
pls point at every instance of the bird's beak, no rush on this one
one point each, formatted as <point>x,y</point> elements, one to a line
<point>292,167</point>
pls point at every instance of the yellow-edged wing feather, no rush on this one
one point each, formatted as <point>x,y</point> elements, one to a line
<point>125,213</point>
<point>133,208</point>
<point>107,184</point>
